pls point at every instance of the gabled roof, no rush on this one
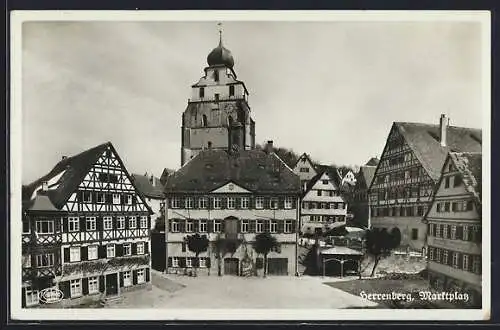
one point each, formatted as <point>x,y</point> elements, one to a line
<point>332,172</point>
<point>365,176</point>
<point>372,162</point>
<point>469,165</point>
<point>306,156</point>
<point>423,139</point>
<point>166,172</point>
<point>255,170</point>
<point>149,186</point>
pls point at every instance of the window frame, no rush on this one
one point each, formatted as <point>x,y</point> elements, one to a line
<point>290,224</point>
<point>127,249</point>
<point>189,202</point>
<point>245,226</point>
<point>73,224</point>
<point>120,222</point>
<point>107,223</point>
<point>132,222</point>
<point>93,224</point>
<point>288,203</point>
<point>273,226</point>
<point>231,203</point>
<point>49,257</point>
<point>90,256</point>
<point>74,284</point>
<point>93,284</point>
<point>110,247</point>
<point>116,199</point>
<point>75,254</point>
<point>39,227</point>
<point>127,278</point>
<point>202,202</point>
<point>140,248</point>
<point>203,226</point>
<point>244,202</point>
<point>141,276</point>
<point>259,202</point>
<point>143,221</point>
<point>216,203</point>
<point>175,262</point>
<point>259,224</point>
<point>217,226</point>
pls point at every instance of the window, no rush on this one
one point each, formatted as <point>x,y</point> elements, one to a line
<point>288,202</point>
<point>120,223</point>
<point>432,228</point>
<point>217,226</point>
<point>132,222</point>
<point>438,207</point>
<point>74,253</point>
<point>420,210</point>
<point>116,199</point>
<point>73,223</point>
<point>202,92</point>
<point>470,206</point>
<point>31,297</point>
<point>341,206</point>
<point>457,180</point>
<point>127,278</point>
<point>231,90</point>
<point>304,169</point>
<point>325,181</point>
<point>203,226</point>
<point>189,226</point>
<point>431,254</point>
<point>175,203</point>
<point>189,262</point>
<point>140,276</point>
<point>260,226</point>
<point>244,202</point>
<point>274,203</point>
<point>476,264</point>
<point>465,236</point>
<point>231,202</point>
<point>445,257</point>
<point>454,206</point>
<point>45,226</point>
<point>414,234</point>
<point>92,252</point>
<point>202,203</point>
<point>128,199</point>
<point>447,182</point>
<point>288,226</point>
<point>216,202</point>
<point>127,249</point>
<point>110,251</point>
<point>175,262</point>
<point>204,123</point>
<point>90,223</point>
<point>447,206</point>
<point>203,262</point>
<point>445,231</point>
<point>45,260</point>
<point>175,227</point>
<point>101,198</point>
<point>189,203</point>
<point>465,262</point>
<point>259,202</point>
<point>140,248</point>
<point>274,227</point>
<point>319,192</point>
<point>108,223</point>
<point>144,221</point>
<point>438,255</point>
<point>455,259</point>
<point>216,96</point>
<point>87,197</point>
<point>216,75</point>
<point>453,232</point>
<point>76,288</point>
<point>93,285</point>
<point>244,226</point>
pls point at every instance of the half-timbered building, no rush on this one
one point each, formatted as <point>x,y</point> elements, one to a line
<point>305,169</point>
<point>408,171</point>
<point>86,230</point>
<point>454,228</point>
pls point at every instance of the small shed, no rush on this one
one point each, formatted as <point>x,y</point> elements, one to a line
<point>339,260</point>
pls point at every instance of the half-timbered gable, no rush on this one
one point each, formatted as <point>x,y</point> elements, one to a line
<point>305,169</point>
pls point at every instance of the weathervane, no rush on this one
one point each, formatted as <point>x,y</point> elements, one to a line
<point>220,31</point>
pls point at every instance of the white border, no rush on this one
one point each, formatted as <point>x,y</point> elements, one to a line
<point>18,17</point>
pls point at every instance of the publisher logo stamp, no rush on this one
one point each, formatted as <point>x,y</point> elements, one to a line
<point>51,295</point>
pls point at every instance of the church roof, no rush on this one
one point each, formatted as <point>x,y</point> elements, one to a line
<point>254,170</point>
<point>220,56</point>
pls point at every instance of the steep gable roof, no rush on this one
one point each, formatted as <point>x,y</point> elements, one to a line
<point>372,162</point>
<point>332,171</point>
<point>148,188</point>
<point>301,157</point>
<point>423,139</point>
<point>254,170</point>
<point>470,167</point>
<point>365,176</point>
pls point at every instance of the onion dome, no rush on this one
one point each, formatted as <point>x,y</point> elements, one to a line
<point>220,56</point>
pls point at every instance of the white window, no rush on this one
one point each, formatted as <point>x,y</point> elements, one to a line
<point>110,251</point>
<point>144,222</point>
<point>438,255</point>
<point>202,203</point>
<point>140,276</point>
<point>274,226</point>
<point>260,226</point>
<point>231,203</point>
<point>189,203</point>
<point>45,260</point>
<point>466,233</point>
<point>217,225</point>
<point>189,262</point>
<point>453,232</point>
<point>189,226</point>
<point>74,224</point>
<point>120,222</point>
<point>108,223</point>
<point>203,226</point>
<point>465,262</point>
<point>127,278</point>
<point>175,262</point>
<point>445,257</point>
<point>26,261</point>
<point>445,231</point>
<point>128,199</point>
<point>216,202</point>
<point>455,259</point>
<point>101,198</point>
<point>259,202</point>
<point>288,202</point>
<point>93,285</point>
<point>203,262</point>
<point>116,198</point>
<point>274,203</point>
<point>176,203</point>
<point>244,226</point>
<point>45,226</point>
<point>140,248</point>
<point>74,253</point>
<point>288,226</point>
<point>92,252</point>
<point>87,197</point>
<point>127,249</point>
<point>90,221</point>
<point>244,202</point>
<point>31,297</point>
<point>76,288</point>
<point>175,227</point>
<point>132,222</point>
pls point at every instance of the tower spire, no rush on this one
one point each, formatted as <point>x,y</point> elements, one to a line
<point>220,32</point>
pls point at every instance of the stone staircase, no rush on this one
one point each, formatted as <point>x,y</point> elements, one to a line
<point>108,301</point>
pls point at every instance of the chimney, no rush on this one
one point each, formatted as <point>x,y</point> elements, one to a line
<point>269,146</point>
<point>45,186</point>
<point>443,126</point>
<point>152,180</point>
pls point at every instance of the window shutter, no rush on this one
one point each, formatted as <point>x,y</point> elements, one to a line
<point>196,225</point>
<point>65,224</point>
<point>460,260</point>
<point>281,226</point>
<point>99,223</point>
<point>101,251</point>
<point>121,279</point>
<point>115,222</point>
<point>83,253</point>
<point>210,226</point>
<point>223,226</point>
<point>134,277</point>
<point>182,226</point>
<point>252,226</point>
<point>196,262</point>
<point>147,274</point>
<point>118,250</point>
<point>448,234</point>
<point>108,199</point>
<point>83,225</point>
<point>102,286</point>
<point>146,247</point>
<point>169,225</point>
<point>122,199</point>
<point>64,287</point>
<point>85,285</point>
<point>251,202</point>
<point>66,254</point>
<point>267,202</point>
<point>134,248</point>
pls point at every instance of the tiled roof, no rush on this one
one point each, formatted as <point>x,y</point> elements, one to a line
<point>254,170</point>
<point>166,172</point>
<point>372,162</point>
<point>365,176</point>
<point>469,165</point>
<point>41,202</point>
<point>332,173</point>
<point>423,139</point>
<point>145,186</point>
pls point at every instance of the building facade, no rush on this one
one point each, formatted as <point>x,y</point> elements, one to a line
<point>305,169</point>
<point>454,228</point>
<point>152,190</point>
<point>357,199</point>
<point>217,115</point>
<point>233,195</point>
<point>409,169</point>
<point>86,230</point>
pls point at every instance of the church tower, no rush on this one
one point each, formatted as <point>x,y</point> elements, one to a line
<point>217,115</point>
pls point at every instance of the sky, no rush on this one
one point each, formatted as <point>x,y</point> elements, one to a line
<point>330,89</point>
